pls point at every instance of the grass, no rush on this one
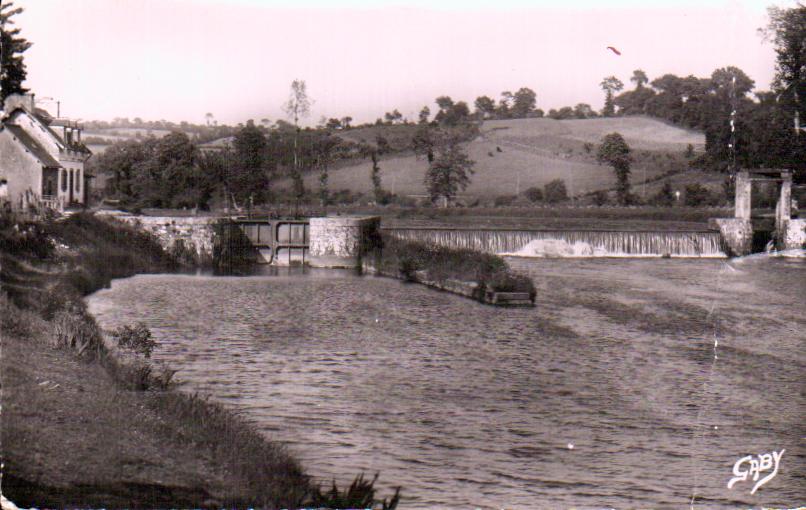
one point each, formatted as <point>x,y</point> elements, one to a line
<point>512,155</point>
<point>86,427</point>
<point>491,272</point>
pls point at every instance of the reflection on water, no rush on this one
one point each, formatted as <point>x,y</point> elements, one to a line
<point>468,405</point>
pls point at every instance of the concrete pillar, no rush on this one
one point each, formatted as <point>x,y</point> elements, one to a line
<point>743,192</point>
<point>341,241</point>
<point>783,209</point>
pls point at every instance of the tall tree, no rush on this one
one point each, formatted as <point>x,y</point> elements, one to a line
<point>787,30</point>
<point>424,114</point>
<point>524,102</point>
<point>610,85</point>
<point>640,79</point>
<point>485,107</point>
<point>450,169</point>
<point>12,46</point>
<point>615,152</point>
<point>297,107</point>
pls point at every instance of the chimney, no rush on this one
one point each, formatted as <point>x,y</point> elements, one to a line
<point>25,101</point>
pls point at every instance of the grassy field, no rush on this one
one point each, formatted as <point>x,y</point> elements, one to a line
<point>512,155</point>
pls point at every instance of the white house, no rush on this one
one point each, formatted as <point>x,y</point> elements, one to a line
<point>41,158</point>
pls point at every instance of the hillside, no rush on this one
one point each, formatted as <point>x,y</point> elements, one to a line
<point>512,155</point>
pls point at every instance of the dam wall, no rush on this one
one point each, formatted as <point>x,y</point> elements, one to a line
<point>571,243</point>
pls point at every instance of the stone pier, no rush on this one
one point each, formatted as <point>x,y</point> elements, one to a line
<point>342,241</point>
<point>737,232</point>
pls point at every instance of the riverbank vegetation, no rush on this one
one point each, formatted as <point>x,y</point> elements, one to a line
<point>86,426</point>
<point>439,264</point>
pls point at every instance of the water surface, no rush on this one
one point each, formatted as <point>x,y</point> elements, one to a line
<point>607,394</point>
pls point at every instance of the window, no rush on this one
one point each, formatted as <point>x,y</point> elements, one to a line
<point>64,180</point>
<point>78,181</point>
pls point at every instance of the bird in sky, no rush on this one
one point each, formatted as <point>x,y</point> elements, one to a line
<point>614,50</point>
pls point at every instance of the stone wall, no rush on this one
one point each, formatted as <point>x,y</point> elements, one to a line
<point>188,236</point>
<point>737,234</point>
<point>338,241</point>
<point>794,234</point>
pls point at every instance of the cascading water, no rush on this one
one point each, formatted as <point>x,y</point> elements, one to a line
<point>570,243</point>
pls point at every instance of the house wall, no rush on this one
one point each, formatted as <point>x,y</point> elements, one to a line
<point>22,171</point>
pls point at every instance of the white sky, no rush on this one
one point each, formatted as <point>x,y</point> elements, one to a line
<point>178,59</point>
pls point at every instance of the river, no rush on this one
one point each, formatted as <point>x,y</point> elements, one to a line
<point>633,383</point>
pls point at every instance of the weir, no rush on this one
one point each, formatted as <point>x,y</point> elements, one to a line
<point>570,243</point>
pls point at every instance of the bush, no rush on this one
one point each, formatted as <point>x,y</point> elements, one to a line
<point>555,191</point>
<point>360,494</point>
<point>697,195</point>
<point>665,197</point>
<point>600,197</point>
<point>504,200</point>
<point>136,338</point>
<point>534,194</point>
<point>74,329</point>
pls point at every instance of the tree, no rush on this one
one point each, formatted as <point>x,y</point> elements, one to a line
<point>787,30</point>
<point>555,191</point>
<point>524,104</point>
<point>584,111</point>
<point>615,152</point>
<point>345,122</point>
<point>640,79</point>
<point>393,117</point>
<point>375,176</point>
<point>424,114</point>
<point>534,194</point>
<point>12,46</point>
<point>505,104</point>
<point>485,107</point>
<point>298,106</point>
<point>248,175</point>
<point>450,169</point>
<point>665,196</point>
<point>333,124</point>
<point>208,117</point>
<point>610,85</point>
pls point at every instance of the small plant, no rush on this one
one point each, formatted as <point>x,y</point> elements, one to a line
<point>136,338</point>
<point>588,147</point>
<point>534,194</point>
<point>504,200</point>
<point>555,191</point>
<point>600,198</point>
<point>360,494</point>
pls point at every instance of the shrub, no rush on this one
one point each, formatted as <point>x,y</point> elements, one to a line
<point>533,194</point>
<point>136,338</point>
<point>555,191</point>
<point>504,200</point>
<point>360,494</point>
<point>664,197</point>
<point>697,195</point>
<point>600,197</point>
<point>74,329</point>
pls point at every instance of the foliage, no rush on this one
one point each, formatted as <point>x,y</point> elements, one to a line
<point>664,197</point>
<point>489,271</point>
<point>534,194</point>
<point>12,46</point>
<point>697,195</point>
<point>450,169</point>
<point>600,198</point>
<point>555,191</point>
<point>136,338</point>
<point>377,187</point>
<point>615,152</point>
<point>504,200</point>
<point>360,494</point>
<point>610,85</point>
<point>75,329</point>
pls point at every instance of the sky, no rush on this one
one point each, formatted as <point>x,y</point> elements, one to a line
<point>179,59</point>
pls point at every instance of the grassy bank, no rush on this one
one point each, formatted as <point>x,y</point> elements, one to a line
<point>490,272</point>
<point>83,426</point>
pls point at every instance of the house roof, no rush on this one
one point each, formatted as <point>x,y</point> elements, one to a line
<point>33,146</point>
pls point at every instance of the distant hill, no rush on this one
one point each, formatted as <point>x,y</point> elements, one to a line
<point>512,155</point>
